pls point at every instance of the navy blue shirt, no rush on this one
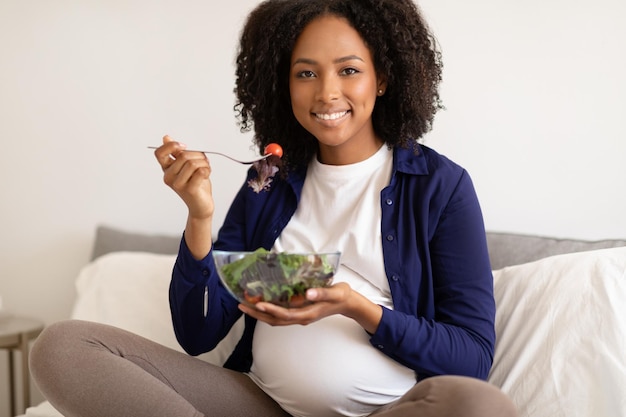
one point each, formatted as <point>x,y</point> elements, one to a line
<point>435,257</point>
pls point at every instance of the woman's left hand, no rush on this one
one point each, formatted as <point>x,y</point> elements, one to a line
<point>336,299</point>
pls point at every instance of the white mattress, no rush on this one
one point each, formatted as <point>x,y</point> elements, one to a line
<point>561,333</point>
<point>45,409</point>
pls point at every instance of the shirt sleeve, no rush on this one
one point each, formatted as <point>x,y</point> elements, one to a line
<point>202,310</point>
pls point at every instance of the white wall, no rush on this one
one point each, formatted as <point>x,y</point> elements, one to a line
<point>535,98</point>
<point>85,86</point>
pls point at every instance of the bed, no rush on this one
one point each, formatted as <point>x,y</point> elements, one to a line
<point>560,323</point>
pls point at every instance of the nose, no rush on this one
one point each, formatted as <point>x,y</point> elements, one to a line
<point>328,89</point>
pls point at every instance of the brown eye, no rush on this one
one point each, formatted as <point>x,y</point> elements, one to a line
<point>349,71</point>
<point>305,74</point>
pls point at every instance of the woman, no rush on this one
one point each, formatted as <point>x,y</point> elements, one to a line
<point>346,87</point>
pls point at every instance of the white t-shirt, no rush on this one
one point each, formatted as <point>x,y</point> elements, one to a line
<point>329,368</point>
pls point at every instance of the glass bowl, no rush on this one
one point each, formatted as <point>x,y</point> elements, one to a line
<point>280,278</point>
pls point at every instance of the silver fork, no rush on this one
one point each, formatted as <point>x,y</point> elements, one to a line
<point>224,155</point>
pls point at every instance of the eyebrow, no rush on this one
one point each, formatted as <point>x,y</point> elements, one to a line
<point>336,61</point>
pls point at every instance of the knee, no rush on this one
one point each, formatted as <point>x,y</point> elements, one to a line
<point>463,396</point>
<point>53,348</point>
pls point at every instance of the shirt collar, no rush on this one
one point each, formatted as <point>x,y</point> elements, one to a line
<point>295,178</point>
<point>410,160</point>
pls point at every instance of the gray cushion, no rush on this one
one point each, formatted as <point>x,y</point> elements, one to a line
<point>506,249</point>
<point>109,239</point>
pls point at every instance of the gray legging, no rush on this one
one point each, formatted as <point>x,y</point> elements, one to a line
<point>87,369</point>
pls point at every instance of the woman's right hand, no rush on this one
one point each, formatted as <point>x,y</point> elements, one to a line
<point>188,174</point>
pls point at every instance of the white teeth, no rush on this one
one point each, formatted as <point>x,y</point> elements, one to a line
<point>332,116</point>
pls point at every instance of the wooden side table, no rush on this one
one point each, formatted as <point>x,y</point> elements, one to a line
<point>15,334</point>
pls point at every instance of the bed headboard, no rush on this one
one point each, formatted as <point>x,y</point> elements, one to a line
<point>110,239</point>
<point>505,249</point>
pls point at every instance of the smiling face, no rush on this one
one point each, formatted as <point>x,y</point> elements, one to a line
<point>333,86</point>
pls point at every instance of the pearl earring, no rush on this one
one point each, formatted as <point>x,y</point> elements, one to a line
<point>380,92</point>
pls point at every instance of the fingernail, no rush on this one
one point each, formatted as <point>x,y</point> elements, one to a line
<point>311,294</point>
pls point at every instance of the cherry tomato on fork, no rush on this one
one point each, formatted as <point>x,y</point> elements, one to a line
<point>274,149</point>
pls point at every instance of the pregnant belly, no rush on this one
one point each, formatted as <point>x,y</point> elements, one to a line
<point>327,368</point>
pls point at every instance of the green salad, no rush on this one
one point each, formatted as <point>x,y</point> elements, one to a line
<point>279,278</point>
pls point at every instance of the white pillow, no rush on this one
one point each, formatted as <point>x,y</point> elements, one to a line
<point>130,290</point>
<point>561,335</point>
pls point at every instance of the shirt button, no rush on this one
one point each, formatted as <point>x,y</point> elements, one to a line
<point>381,347</point>
<point>389,201</point>
<point>395,277</point>
<point>205,272</point>
<point>389,238</point>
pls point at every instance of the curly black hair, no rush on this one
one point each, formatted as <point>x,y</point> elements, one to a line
<point>404,51</point>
